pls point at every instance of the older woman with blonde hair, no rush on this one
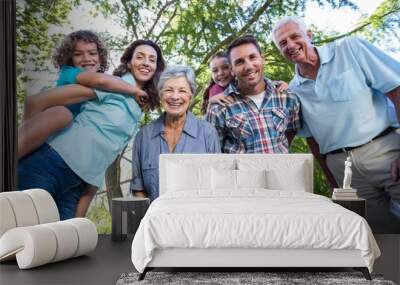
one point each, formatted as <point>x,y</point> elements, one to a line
<point>177,130</point>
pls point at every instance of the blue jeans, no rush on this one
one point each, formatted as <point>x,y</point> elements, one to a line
<point>45,169</point>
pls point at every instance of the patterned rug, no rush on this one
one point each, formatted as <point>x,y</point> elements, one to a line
<point>244,278</point>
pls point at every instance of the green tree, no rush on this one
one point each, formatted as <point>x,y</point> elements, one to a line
<point>192,31</point>
<point>189,32</point>
<point>34,43</point>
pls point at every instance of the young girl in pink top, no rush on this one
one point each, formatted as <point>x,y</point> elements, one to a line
<point>221,76</point>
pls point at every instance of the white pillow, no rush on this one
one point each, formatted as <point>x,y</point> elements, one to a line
<point>282,173</point>
<point>223,179</point>
<point>251,178</point>
<point>291,179</point>
<point>182,177</point>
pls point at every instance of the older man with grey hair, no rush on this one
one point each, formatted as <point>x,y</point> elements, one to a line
<point>177,130</point>
<point>343,89</point>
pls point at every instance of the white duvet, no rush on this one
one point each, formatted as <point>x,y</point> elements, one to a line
<point>252,218</point>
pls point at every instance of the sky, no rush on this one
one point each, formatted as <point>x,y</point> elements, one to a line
<point>345,19</point>
<point>339,20</point>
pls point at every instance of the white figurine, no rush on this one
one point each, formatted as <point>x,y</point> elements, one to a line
<point>347,174</point>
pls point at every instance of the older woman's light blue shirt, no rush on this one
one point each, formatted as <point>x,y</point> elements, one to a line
<point>98,134</point>
<point>198,136</point>
<point>345,106</point>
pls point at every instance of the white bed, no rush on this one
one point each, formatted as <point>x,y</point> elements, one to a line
<point>247,211</point>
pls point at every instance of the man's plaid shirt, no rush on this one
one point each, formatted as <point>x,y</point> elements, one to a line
<point>243,128</point>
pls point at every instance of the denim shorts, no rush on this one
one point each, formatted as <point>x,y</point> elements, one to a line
<point>45,169</point>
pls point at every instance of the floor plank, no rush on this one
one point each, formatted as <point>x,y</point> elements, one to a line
<point>102,266</point>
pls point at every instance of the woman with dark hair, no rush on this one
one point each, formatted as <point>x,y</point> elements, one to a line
<point>130,62</point>
<point>80,154</point>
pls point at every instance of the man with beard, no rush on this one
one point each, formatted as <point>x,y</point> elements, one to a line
<point>343,89</point>
<point>260,119</point>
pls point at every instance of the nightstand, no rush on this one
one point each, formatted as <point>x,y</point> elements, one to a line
<point>357,205</point>
<point>126,213</point>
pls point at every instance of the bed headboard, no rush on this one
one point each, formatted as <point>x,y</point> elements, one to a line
<point>284,170</point>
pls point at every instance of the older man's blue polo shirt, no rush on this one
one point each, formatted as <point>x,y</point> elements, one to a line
<point>198,136</point>
<point>345,106</point>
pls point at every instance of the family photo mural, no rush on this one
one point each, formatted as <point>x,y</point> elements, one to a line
<point>105,87</point>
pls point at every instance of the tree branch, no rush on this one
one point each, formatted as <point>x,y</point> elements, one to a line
<point>159,14</point>
<point>358,28</point>
<point>232,37</point>
<point>167,24</point>
<point>129,20</point>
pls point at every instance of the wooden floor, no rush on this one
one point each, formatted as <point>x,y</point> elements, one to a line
<point>103,266</point>
<point>110,259</point>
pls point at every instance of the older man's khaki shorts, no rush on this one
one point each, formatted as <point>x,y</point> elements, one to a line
<point>371,177</point>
